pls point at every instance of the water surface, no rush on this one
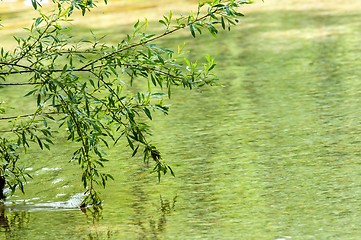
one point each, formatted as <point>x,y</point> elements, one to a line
<point>272,154</point>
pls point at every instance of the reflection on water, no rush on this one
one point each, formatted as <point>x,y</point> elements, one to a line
<point>12,222</point>
<point>150,221</point>
<point>152,227</point>
<point>166,208</point>
<point>18,221</point>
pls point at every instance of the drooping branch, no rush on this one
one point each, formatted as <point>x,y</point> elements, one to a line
<point>86,90</point>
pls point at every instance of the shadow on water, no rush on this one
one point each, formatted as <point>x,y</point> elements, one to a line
<point>12,223</point>
<point>16,222</point>
<point>150,224</point>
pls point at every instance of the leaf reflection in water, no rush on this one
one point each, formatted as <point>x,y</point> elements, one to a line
<point>12,222</point>
<point>19,220</point>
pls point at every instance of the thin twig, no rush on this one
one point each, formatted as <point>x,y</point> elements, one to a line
<point>29,115</point>
<point>149,40</point>
<point>21,84</point>
<point>34,43</point>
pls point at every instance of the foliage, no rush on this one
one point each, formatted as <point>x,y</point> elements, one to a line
<point>85,88</point>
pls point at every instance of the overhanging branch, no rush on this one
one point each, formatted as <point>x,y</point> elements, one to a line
<point>30,115</point>
<point>20,84</point>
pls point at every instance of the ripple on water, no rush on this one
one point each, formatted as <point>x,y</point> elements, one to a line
<point>29,205</point>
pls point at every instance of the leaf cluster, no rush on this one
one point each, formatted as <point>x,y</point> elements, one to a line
<point>86,87</point>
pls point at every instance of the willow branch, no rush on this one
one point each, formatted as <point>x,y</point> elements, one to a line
<point>30,115</point>
<point>34,43</point>
<point>85,68</point>
<point>149,40</point>
<point>16,65</point>
<point>21,84</point>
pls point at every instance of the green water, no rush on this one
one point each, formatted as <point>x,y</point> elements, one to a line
<point>272,154</point>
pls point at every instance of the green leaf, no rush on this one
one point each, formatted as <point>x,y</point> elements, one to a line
<point>35,4</point>
<point>147,112</point>
<point>136,25</point>
<point>38,100</point>
<point>130,143</point>
<point>46,146</point>
<point>31,92</point>
<point>39,142</point>
<point>212,30</point>
<point>163,22</point>
<point>169,92</point>
<point>110,176</point>
<point>171,171</point>
<point>38,21</point>
<point>223,23</point>
<point>211,67</point>
<point>238,14</point>
<point>135,151</point>
<point>170,15</point>
<point>219,5</point>
<point>192,29</point>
